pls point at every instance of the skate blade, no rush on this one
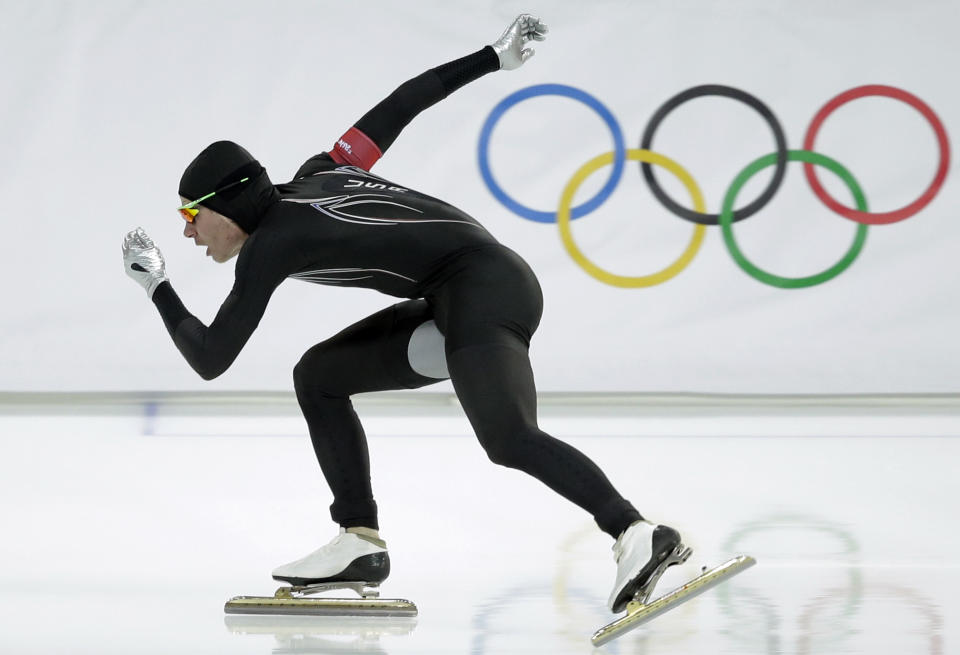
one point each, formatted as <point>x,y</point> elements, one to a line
<point>638,614</point>
<point>320,606</point>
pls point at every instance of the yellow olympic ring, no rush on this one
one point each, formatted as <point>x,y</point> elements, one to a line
<point>626,281</point>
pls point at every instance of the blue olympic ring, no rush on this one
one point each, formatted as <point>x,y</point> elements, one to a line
<point>619,150</point>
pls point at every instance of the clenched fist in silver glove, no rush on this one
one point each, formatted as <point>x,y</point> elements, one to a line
<point>143,261</point>
<point>510,48</point>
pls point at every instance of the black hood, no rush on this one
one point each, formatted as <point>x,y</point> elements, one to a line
<point>223,163</point>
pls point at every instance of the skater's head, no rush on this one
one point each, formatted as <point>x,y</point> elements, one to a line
<point>225,181</point>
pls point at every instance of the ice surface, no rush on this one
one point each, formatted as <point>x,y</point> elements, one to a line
<point>126,534</point>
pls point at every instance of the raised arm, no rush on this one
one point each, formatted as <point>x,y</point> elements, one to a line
<point>365,142</point>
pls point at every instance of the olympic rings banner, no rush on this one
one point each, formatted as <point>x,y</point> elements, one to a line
<point>745,197</point>
<point>695,211</point>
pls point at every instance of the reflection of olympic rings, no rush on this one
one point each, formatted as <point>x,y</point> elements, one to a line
<point>739,602</point>
<point>698,214</point>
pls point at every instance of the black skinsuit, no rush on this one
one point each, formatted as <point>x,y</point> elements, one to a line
<point>336,223</point>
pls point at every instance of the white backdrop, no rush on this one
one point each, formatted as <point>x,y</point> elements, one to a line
<point>104,103</point>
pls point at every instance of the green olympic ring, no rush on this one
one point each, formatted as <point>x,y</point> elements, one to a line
<point>726,221</point>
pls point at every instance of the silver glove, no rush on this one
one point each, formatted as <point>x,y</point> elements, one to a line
<point>510,48</point>
<point>143,261</point>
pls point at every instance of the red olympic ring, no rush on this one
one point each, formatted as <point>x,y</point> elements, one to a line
<point>878,218</point>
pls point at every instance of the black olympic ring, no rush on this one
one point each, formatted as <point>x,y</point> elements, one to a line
<point>727,92</point>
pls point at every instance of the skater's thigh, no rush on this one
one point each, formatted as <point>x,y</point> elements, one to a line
<point>495,385</point>
<point>396,348</point>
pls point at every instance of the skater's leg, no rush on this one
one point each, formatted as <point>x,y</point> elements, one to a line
<point>372,355</point>
<point>495,385</point>
<point>488,312</point>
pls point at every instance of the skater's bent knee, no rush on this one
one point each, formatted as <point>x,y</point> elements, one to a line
<point>313,376</point>
<point>510,449</point>
<point>498,455</point>
<point>302,374</point>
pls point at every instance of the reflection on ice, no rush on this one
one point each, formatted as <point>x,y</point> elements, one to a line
<point>322,634</point>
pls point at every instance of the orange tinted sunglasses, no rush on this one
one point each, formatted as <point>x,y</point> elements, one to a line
<point>189,211</point>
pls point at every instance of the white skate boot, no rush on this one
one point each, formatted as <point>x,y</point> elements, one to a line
<point>350,561</point>
<point>348,558</point>
<point>643,552</point>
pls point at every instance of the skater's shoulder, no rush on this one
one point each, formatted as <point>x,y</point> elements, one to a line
<point>315,164</point>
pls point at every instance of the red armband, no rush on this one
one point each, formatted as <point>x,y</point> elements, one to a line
<point>357,149</point>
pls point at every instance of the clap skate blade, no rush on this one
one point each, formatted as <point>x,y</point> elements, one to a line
<point>296,600</point>
<point>641,610</point>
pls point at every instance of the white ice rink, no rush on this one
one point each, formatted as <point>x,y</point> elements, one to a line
<point>126,528</point>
